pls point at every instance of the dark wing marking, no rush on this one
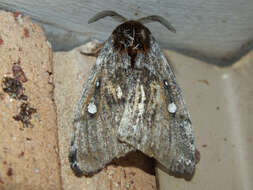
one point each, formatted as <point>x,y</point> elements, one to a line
<point>155,119</point>
<point>94,143</point>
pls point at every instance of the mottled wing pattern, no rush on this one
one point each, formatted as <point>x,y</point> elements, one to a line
<point>155,119</point>
<point>94,142</point>
<point>123,108</point>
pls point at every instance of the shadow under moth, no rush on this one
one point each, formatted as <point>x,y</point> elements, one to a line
<point>131,101</point>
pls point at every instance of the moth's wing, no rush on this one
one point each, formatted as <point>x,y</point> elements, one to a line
<point>94,143</point>
<point>148,122</point>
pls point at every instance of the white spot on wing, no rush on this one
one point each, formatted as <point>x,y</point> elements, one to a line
<point>97,84</point>
<point>92,108</point>
<point>172,108</point>
<point>166,83</point>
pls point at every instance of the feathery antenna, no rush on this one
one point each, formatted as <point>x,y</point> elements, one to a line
<point>143,20</point>
<point>155,18</point>
<point>106,13</point>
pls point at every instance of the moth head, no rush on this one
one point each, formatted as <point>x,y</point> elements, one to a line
<point>132,35</point>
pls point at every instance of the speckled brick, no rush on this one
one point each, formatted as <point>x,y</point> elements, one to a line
<point>28,155</point>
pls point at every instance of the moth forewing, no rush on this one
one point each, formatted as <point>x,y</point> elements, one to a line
<point>94,143</point>
<point>157,130</point>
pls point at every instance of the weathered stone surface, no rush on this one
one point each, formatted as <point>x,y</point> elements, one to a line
<point>28,150</point>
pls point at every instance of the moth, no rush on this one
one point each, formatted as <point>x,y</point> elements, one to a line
<point>131,101</point>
